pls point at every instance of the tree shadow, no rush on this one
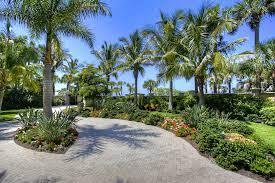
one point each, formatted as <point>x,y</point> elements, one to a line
<point>3,174</point>
<point>6,131</point>
<point>45,179</point>
<point>121,180</point>
<point>92,140</point>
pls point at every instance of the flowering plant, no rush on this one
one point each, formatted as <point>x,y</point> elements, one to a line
<point>179,128</point>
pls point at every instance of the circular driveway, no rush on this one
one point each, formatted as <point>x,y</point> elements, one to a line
<point>112,151</point>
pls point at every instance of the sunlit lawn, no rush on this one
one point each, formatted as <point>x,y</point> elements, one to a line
<point>266,133</point>
<point>9,114</point>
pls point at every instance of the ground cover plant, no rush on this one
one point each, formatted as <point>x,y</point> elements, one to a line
<point>55,134</point>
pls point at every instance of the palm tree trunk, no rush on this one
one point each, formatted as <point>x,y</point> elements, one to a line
<point>136,85</point>
<point>170,104</point>
<point>229,85</point>
<point>257,36</point>
<point>67,98</point>
<point>201,92</point>
<point>47,80</point>
<point>205,87</point>
<point>196,85</point>
<point>53,89</point>
<point>2,92</point>
<point>273,80</point>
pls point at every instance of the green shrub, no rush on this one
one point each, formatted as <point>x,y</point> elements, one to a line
<point>208,137</point>
<point>188,100</point>
<point>239,106</point>
<point>263,167</point>
<point>29,117</point>
<point>195,115</point>
<point>113,108</point>
<point>139,115</point>
<point>233,155</point>
<point>154,119</point>
<point>268,114</point>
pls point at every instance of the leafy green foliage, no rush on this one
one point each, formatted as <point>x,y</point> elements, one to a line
<point>268,114</point>
<point>138,115</point>
<point>92,84</point>
<point>29,117</point>
<point>238,106</point>
<point>233,155</point>
<point>195,115</point>
<point>52,129</point>
<point>47,134</point>
<point>263,167</point>
<point>154,119</point>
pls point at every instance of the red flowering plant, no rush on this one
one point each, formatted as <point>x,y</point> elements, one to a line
<point>184,130</point>
<point>178,127</point>
<point>169,124</point>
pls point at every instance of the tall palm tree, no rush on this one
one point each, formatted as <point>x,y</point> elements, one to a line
<point>108,57</point>
<point>201,32</point>
<point>150,85</point>
<point>252,12</point>
<point>53,18</point>
<point>165,39</point>
<point>134,51</point>
<point>70,70</point>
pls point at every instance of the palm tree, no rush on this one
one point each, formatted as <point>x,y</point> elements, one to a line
<point>108,57</point>
<point>130,87</point>
<point>165,42</point>
<point>202,32</point>
<point>252,12</point>
<point>16,58</point>
<point>268,50</point>
<point>150,85</point>
<point>70,69</point>
<point>135,51</point>
<point>53,18</point>
<point>59,55</point>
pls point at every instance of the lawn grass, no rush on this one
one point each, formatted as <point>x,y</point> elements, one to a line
<point>167,115</point>
<point>265,133</point>
<point>9,114</point>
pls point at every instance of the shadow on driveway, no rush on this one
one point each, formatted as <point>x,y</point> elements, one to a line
<point>92,140</point>
<point>7,130</point>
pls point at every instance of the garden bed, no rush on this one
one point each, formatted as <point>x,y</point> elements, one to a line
<point>25,137</point>
<point>55,134</point>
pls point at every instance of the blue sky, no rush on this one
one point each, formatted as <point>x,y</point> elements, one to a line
<point>129,15</point>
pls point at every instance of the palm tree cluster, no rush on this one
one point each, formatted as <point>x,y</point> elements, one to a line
<point>191,45</point>
<point>186,44</point>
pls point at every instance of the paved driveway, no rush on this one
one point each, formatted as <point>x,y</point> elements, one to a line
<point>112,151</point>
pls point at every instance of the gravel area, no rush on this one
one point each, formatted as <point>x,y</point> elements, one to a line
<point>112,151</point>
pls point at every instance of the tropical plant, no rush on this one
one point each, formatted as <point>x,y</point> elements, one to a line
<point>16,58</point>
<point>252,12</point>
<point>268,50</point>
<point>53,18</point>
<point>108,57</point>
<point>135,52</point>
<point>91,84</point>
<point>165,42</point>
<point>202,31</point>
<point>150,85</point>
<point>29,117</point>
<point>130,87</point>
<point>70,70</point>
